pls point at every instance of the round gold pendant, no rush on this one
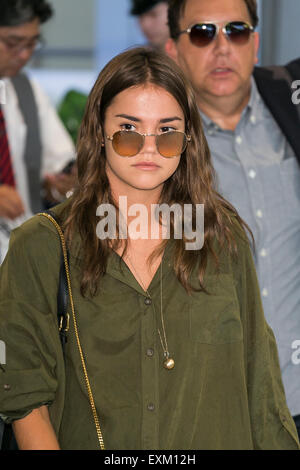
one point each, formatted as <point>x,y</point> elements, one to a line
<point>169,363</point>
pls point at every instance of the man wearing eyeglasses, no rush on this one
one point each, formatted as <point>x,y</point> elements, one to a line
<point>33,142</point>
<point>252,128</point>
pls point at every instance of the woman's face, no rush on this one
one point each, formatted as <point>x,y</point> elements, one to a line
<point>147,109</point>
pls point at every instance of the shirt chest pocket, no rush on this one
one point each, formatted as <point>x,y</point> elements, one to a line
<point>215,318</point>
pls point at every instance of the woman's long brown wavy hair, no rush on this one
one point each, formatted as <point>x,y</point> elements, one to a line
<point>192,182</point>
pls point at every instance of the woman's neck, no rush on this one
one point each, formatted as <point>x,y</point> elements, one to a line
<point>134,195</point>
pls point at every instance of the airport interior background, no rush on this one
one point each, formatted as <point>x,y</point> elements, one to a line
<point>83,36</point>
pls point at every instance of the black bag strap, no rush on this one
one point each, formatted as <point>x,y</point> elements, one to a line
<point>62,295</point>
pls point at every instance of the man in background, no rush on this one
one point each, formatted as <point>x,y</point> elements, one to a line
<point>34,145</point>
<point>252,128</point>
<point>152,18</point>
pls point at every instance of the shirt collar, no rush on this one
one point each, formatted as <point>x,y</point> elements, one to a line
<point>118,269</point>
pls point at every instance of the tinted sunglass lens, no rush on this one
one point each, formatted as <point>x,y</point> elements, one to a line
<point>202,34</point>
<point>238,32</point>
<point>171,144</point>
<point>127,143</point>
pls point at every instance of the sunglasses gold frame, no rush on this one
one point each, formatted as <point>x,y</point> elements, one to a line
<point>188,138</point>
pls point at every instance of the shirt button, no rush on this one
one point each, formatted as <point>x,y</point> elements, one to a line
<point>253,119</point>
<point>7,387</point>
<point>150,352</point>
<point>239,140</point>
<point>263,253</point>
<point>265,292</point>
<point>252,174</point>
<point>150,407</point>
<point>259,214</point>
<point>148,301</point>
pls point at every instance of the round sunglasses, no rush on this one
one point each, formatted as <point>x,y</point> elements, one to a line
<point>202,34</point>
<point>130,143</point>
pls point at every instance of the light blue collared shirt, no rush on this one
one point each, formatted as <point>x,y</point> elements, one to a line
<point>258,173</point>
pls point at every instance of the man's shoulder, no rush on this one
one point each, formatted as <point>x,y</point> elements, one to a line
<point>295,61</point>
<point>25,83</point>
<point>278,72</point>
<point>293,68</point>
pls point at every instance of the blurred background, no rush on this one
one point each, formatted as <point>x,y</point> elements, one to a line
<point>83,36</point>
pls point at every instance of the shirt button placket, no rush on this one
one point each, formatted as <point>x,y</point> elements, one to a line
<point>149,376</point>
<point>253,181</point>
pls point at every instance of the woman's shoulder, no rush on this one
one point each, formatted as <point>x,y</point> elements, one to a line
<point>37,231</point>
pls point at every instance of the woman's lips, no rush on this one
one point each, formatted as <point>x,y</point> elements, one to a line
<point>146,166</point>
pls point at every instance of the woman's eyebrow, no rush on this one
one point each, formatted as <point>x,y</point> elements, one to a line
<point>170,119</point>
<point>130,118</point>
<point>135,119</point>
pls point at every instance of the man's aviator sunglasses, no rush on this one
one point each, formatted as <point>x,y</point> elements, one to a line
<point>130,143</point>
<point>202,34</point>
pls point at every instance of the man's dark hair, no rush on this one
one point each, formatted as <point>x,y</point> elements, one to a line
<point>139,7</point>
<point>176,10</point>
<point>17,12</point>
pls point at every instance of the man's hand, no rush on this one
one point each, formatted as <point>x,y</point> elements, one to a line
<point>59,184</point>
<point>11,205</point>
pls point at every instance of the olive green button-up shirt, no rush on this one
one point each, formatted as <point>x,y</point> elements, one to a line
<point>225,391</point>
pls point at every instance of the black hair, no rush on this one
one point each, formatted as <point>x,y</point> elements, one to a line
<point>17,12</point>
<point>139,7</point>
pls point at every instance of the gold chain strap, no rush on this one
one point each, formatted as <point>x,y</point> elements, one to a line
<point>90,394</point>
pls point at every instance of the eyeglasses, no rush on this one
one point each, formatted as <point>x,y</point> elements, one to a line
<point>130,143</point>
<point>19,46</point>
<point>202,34</point>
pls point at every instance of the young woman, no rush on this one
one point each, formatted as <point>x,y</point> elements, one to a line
<point>167,345</point>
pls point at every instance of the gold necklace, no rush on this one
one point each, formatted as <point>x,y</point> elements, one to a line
<point>169,362</point>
